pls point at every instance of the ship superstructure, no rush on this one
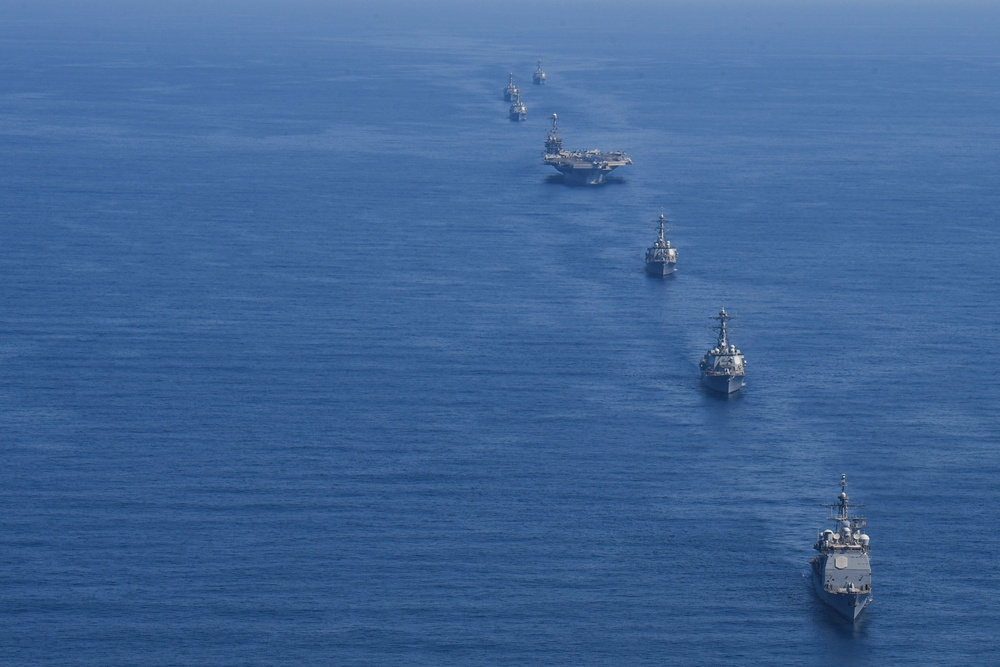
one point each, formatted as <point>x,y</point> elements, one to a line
<point>517,109</point>
<point>723,368</point>
<point>511,91</point>
<point>661,257</point>
<point>588,167</point>
<point>538,78</point>
<point>842,572</point>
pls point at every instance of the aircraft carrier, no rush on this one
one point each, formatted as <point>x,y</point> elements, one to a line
<point>584,167</point>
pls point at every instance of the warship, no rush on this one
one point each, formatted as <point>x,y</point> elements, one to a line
<point>580,166</point>
<point>723,368</point>
<point>538,78</point>
<point>842,572</point>
<point>517,109</point>
<point>661,257</point>
<point>511,91</point>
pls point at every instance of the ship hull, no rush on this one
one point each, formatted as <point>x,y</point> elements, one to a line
<point>661,269</point>
<point>724,384</point>
<point>583,176</point>
<point>847,605</point>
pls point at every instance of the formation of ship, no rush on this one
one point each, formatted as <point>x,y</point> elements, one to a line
<point>723,368</point>
<point>842,572</point>
<point>518,111</point>
<point>583,167</point>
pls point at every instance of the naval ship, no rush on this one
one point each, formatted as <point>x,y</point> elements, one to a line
<point>511,91</point>
<point>517,109</point>
<point>580,166</point>
<point>661,257</point>
<point>842,572</point>
<point>538,78</point>
<point>723,368</point>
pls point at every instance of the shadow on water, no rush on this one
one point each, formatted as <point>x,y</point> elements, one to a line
<point>723,398</point>
<point>660,279</point>
<point>560,179</point>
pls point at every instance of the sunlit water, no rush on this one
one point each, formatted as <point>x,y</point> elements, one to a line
<point>305,357</point>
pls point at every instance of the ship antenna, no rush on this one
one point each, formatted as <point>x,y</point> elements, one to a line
<point>722,317</point>
<point>555,117</point>
<point>662,221</point>
<point>843,497</point>
<point>844,504</point>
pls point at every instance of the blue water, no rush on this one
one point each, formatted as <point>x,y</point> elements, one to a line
<point>305,358</point>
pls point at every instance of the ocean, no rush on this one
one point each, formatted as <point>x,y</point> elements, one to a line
<point>306,358</point>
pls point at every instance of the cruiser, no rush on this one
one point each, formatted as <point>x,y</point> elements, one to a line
<point>723,368</point>
<point>538,78</point>
<point>517,109</point>
<point>842,572</point>
<point>661,257</point>
<point>588,167</point>
<point>511,90</point>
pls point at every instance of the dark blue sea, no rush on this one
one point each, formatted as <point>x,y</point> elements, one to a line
<point>306,359</point>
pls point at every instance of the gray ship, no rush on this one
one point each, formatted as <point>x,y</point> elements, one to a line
<point>517,109</point>
<point>511,91</point>
<point>538,78</point>
<point>661,257</point>
<point>589,167</point>
<point>842,572</point>
<point>723,368</point>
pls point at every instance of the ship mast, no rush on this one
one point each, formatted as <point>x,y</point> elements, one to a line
<point>843,505</point>
<point>663,220</point>
<point>722,317</point>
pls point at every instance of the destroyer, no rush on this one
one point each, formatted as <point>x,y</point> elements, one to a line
<point>538,78</point>
<point>842,572</point>
<point>517,109</point>
<point>580,166</point>
<point>661,258</point>
<point>723,368</point>
<point>511,90</point>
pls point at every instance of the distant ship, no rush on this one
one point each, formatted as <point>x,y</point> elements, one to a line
<point>580,166</point>
<point>723,368</point>
<point>517,109</point>
<point>511,91</point>
<point>842,572</point>
<point>661,258</point>
<point>538,78</point>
